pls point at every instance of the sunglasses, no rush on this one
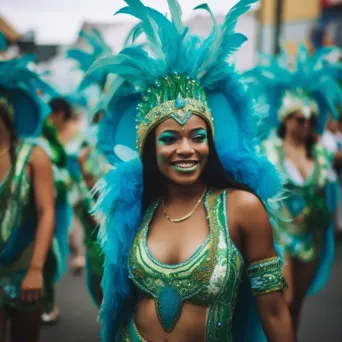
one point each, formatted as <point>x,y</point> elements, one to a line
<point>301,120</point>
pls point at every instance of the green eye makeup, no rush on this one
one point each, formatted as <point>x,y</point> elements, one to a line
<point>166,138</point>
<point>200,135</point>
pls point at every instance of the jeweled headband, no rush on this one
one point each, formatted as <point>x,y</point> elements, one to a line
<point>174,96</point>
<point>297,100</point>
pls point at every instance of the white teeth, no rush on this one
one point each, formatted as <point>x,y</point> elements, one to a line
<point>185,165</point>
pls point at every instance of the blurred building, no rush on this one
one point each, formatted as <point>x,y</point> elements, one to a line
<point>298,21</point>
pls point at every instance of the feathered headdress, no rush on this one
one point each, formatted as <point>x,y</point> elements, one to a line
<point>22,90</point>
<point>175,74</point>
<point>308,83</point>
<point>98,48</point>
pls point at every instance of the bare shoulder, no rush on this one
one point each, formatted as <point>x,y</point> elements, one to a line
<point>247,208</point>
<point>244,201</point>
<point>39,157</point>
<point>84,154</point>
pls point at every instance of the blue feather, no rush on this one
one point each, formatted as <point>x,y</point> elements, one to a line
<point>22,87</point>
<point>176,15</point>
<point>119,194</point>
<point>315,74</point>
<point>133,34</point>
<point>138,10</point>
<point>207,8</point>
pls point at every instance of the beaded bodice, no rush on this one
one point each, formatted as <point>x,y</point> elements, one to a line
<point>209,278</point>
<point>15,194</point>
<point>306,203</point>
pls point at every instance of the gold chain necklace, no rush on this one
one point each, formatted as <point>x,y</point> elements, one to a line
<point>186,216</point>
<point>3,152</point>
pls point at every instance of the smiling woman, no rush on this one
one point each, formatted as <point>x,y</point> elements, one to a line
<point>182,151</point>
<point>183,219</point>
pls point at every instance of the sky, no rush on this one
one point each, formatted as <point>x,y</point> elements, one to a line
<point>58,21</point>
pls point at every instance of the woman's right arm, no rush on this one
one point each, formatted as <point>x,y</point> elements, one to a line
<point>258,251</point>
<point>45,206</point>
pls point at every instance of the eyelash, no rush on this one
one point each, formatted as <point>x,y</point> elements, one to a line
<point>170,140</point>
<point>199,138</point>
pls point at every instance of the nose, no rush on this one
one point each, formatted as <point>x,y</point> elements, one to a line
<point>185,148</point>
<point>306,124</point>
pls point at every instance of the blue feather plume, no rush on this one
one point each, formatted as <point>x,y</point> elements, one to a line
<point>315,74</point>
<point>25,90</point>
<point>119,210</point>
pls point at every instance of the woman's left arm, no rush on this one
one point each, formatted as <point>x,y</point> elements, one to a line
<point>264,270</point>
<point>31,289</point>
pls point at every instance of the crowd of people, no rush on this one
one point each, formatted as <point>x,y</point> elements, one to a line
<point>202,203</point>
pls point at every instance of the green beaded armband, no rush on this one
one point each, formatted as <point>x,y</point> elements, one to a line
<point>266,276</point>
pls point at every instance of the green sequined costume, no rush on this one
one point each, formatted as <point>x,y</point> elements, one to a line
<point>94,167</point>
<point>17,229</point>
<point>306,205</point>
<point>210,277</point>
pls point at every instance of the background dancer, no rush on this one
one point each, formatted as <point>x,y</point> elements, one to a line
<point>27,203</point>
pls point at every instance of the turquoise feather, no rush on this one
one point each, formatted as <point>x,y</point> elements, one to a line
<point>207,8</point>
<point>315,74</point>
<point>176,15</point>
<point>21,86</point>
<point>150,27</point>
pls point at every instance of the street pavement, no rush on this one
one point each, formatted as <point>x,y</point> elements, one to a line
<point>321,320</point>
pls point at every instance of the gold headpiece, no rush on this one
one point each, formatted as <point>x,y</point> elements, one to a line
<point>175,96</point>
<point>297,100</point>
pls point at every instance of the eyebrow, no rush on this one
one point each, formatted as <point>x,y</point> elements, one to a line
<point>198,129</point>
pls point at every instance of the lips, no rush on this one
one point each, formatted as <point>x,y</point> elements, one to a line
<point>185,164</point>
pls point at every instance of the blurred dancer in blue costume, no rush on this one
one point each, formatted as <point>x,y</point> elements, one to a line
<point>92,164</point>
<point>26,202</point>
<point>185,213</point>
<point>98,48</point>
<point>301,96</point>
<point>57,258</point>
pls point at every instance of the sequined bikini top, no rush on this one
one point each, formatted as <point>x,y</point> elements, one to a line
<point>200,279</point>
<point>307,200</point>
<point>15,194</point>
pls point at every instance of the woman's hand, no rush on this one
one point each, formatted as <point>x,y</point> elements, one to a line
<point>32,286</point>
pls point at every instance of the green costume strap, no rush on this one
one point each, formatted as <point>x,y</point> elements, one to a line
<point>18,224</point>
<point>266,276</point>
<point>58,155</point>
<point>10,190</point>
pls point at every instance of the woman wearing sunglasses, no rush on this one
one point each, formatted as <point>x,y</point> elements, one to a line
<point>300,102</point>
